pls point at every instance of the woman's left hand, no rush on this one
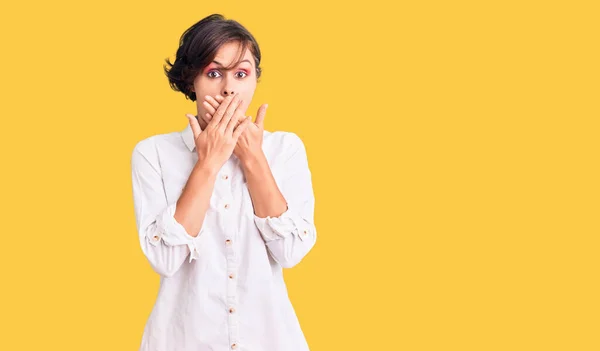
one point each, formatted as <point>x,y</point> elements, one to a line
<point>249,144</point>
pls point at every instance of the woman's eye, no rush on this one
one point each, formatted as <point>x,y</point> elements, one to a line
<point>217,74</point>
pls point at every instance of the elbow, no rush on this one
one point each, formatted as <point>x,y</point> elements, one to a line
<point>289,263</point>
<point>160,261</point>
<point>288,256</point>
<point>293,260</point>
<point>162,269</point>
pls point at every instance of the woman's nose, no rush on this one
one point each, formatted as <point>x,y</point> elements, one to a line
<point>227,92</point>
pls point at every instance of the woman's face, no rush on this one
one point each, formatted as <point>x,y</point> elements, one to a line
<point>215,80</point>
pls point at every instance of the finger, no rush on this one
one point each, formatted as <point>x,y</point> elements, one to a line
<point>211,102</point>
<point>220,112</point>
<point>209,107</point>
<point>218,99</point>
<point>243,118</point>
<point>229,112</point>
<point>241,127</point>
<point>206,118</point>
<point>236,119</point>
<point>196,130</point>
<point>260,115</point>
<point>234,122</point>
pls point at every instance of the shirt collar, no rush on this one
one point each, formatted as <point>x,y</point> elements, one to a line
<point>188,138</point>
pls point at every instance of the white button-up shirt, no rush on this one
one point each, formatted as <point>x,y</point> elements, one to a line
<point>224,289</point>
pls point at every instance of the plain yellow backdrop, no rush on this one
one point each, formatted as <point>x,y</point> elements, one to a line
<point>453,146</point>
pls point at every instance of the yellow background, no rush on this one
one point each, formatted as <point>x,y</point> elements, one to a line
<point>453,145</point>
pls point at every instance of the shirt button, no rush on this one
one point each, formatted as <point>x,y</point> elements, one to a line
<point>231,310</point>
<point>305,232</point>
<point>155,238</point>
<point>231,276</point>
<point>225,177</point>
<point>228,242</point>
<point>226,205</point>
<point>233,346</point>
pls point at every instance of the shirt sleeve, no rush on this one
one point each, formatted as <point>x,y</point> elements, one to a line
<point>290,236</point>
<point>163,240</point>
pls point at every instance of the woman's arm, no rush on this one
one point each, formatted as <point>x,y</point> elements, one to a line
<point>162,227</point>
<point>194,201</point>
<point>284,218</point>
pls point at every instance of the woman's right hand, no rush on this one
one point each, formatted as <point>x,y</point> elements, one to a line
<point>215,144</point>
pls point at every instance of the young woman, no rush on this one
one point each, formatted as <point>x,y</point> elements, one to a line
<point>222,206</point>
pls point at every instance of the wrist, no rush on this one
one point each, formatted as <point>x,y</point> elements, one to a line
<point>254,160</point>
<point>208,168</point>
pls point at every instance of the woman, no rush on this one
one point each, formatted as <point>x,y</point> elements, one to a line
<point>222,206</point>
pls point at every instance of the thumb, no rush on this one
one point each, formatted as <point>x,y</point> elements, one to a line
<point>196,129</point>
<point>260,115</point>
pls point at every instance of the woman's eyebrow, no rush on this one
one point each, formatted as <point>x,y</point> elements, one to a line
<point>220,64</point>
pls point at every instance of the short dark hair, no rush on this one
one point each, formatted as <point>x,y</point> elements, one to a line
<point>198,46</point>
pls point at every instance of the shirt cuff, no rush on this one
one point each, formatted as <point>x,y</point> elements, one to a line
<point>287,224</point>
<point>172,233</point>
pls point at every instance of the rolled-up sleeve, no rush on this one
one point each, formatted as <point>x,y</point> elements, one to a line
<point>163,240</point>
<point>290,236</point>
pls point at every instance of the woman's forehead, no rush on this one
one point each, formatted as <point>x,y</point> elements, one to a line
<point>229,53</point>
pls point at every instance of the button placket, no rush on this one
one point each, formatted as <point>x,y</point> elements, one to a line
<point>230,221</point>
<point>232,298</point>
